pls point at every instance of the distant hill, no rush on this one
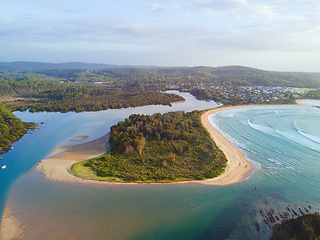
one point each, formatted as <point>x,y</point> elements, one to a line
<point>68,65</point>
<point>158,78</point>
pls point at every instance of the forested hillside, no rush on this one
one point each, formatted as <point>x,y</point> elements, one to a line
<point>161,147</point>
<point>11,128</point>
<point>160,78</point>
<point>25,85</point>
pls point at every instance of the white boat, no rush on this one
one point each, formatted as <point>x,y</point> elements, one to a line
<point>4,166</point>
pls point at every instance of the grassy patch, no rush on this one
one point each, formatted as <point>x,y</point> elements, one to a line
<point>80,170</point>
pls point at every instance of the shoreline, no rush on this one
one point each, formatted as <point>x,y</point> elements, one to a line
<point>57,165</point>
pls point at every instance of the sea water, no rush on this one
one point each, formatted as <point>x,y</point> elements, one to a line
<point>282,142</point>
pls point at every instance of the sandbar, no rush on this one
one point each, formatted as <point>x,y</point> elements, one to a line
<point>78,139</point>
<point>57,166</point>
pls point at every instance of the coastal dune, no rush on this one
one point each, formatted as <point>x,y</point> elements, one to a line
<point>57,166</point>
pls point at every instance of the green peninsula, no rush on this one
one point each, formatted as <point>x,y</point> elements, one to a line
<point>158,148</point>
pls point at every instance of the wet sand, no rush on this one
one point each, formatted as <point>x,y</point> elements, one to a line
<point>10,226</point>
<point>78,139</point>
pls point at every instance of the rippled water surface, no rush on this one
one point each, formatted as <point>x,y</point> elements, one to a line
<point>282,141</point>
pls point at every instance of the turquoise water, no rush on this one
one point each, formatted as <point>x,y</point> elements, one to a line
<point>283,142</point>
<point>60,127</point>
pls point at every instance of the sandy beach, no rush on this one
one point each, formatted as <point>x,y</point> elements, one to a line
<point>58,164</point>
<point>238,168</point>
<point>301,102</point>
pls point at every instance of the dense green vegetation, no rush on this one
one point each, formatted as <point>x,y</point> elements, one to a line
<point>314,94</point>
<point>24,85</point>
<point>11,128</point>
<point>73,89</point>
<point>81,99</point>
<point>306,227</point>
<point>161,147</point>
<point>160,78</point>
<point>182,77</point>
<point>45,95</point>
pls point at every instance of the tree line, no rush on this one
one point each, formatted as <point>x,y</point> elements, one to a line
<point>11,128</point>
<point>79,99</point>
<point>25,85</point>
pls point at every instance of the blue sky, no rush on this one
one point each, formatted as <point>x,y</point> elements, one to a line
<point>280,35</point>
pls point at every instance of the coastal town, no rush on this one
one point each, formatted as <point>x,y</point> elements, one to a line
<point>235,95</point>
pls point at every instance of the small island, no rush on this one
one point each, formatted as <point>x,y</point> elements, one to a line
<point>160,148</point>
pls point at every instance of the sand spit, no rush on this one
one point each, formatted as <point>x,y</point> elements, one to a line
<point>57,165</point>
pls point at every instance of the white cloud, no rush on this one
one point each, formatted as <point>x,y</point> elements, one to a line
<point>48,3</point>
<point>197,28</point>
<point>159,7</point>
<point>237,8</point>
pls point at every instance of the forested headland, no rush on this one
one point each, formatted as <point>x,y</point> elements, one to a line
<point>158,148</point>
<point>12,128</point>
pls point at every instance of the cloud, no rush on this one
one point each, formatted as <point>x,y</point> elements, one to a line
<point>285,36</point>
<point>224,26</point>
<point>48,3</point>
<point>236,8</point>
<point>159,7</point>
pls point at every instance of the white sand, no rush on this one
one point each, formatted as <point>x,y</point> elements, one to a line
<point>57,168</point>
<point>238,168</point>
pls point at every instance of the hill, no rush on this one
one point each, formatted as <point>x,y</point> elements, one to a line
<point>68,65</point>
<point>155,78</point>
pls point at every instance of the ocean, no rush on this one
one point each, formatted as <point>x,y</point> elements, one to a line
<point>282,142</point>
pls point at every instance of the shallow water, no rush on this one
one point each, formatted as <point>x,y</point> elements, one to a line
<point>282,141</point>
